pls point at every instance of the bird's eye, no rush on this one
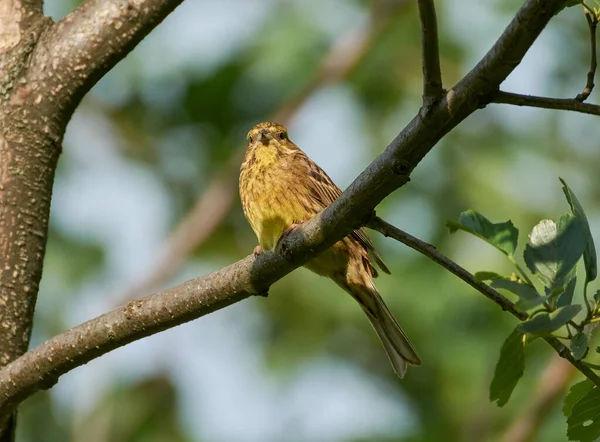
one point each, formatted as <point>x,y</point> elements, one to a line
<point>250,139</point>
<point>282,135</point>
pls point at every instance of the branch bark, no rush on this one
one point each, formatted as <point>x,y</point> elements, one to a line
<point>567,104</point>
<point>430,53</point>
<point>78,50</point>
<point>20,183</point>
<point>592,21</point>
<point>16,19</point>
<point>42,366</point>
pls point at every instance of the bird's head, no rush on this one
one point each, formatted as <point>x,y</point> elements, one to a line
<point>268,134</point>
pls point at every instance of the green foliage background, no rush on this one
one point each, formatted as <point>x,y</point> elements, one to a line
<point>302,365</point>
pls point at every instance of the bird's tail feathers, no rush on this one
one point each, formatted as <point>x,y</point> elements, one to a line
<point>398,347</point>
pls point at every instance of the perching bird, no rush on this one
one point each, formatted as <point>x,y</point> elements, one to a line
<point>280,187</point>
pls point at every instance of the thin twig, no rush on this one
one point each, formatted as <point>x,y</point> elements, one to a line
<point>582,366</point>
<point>568,104</point>
<point>592,21</point>
<point>430,54</point>
<point>431,252</point>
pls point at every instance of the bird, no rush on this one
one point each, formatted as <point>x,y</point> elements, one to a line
<point>280,188</point>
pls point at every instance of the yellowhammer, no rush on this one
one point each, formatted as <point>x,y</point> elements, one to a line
<point>281,187</point>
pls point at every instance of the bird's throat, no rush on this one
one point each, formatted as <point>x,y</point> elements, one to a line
<point>265,155</point>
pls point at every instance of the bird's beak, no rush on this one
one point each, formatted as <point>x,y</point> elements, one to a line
<point>264,136</point>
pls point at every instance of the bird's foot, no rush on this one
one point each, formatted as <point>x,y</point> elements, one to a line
<point>257,251</point>
<point>289,230</point>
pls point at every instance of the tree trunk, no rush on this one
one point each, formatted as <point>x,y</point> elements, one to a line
<point>29,150</point>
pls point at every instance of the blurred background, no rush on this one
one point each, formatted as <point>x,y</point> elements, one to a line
<point>146,197</point>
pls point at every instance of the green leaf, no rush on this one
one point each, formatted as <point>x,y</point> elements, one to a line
<point>567,296</point>
<point>509,369</point>
<point>584,422</point>
<point>503,236</point>
<point>555,250</point>
<point>589,253</point>
<point>545,323</point>
<point>576,392</point>
<point>487,276</point>
<point>579,346</point>
<point>528,296</point>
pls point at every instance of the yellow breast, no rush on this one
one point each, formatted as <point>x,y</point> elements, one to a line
<point>272,197</point>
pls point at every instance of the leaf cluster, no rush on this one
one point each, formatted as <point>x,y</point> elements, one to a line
<point>551,257</point>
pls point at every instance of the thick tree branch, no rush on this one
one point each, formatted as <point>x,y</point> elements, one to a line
<point>78,50</point>
<point>430,53</point>
<point>21,21</point>
<point>40,367</point>
<point>45,70</point>
<point>568,104</point>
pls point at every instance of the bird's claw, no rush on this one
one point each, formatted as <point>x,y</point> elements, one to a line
<point>257,251</point>
<point>289,230</point>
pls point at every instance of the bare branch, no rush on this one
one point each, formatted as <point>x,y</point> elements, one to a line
<point>430,53</point>
<point>78,50</point>
<point>430,251</point>
<point>592,22</point>
<point>568,104</point>
<point>565,353</point>
<point>40,367</point>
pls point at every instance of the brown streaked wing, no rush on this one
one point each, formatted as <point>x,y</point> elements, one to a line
<point>324,192</point>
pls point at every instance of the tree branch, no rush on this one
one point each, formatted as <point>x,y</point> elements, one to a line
<point>565,353</point>
<point>78,50</point>
<point>567,104</point>
<point>41,367</point>
<point>430,53</point>
<point>592,22</point>
<point>430,252</point>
